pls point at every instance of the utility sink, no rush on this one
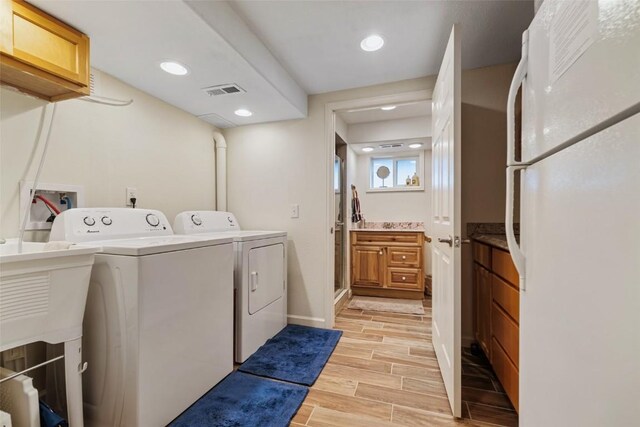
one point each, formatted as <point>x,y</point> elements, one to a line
<point>42,293</point>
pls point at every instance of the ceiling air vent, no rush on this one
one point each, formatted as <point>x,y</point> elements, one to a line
<point>390,146</point>
<point>227,89</point>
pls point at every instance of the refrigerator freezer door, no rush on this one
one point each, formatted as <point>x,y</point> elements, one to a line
<point>583,69</point>
<point>579,316</point>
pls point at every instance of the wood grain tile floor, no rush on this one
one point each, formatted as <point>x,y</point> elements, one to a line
<point>383,372</point>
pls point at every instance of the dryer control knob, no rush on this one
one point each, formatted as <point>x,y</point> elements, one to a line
<point>89,221</point>
<point>153,220</point>
<point>106,220</point>
<point>196,220</point>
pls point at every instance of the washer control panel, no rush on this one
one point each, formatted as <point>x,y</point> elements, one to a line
<point>92,224</point>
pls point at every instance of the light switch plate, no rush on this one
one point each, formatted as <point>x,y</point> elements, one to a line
<point>295,211</point>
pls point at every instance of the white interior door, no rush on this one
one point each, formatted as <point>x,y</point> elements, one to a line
<point>445,222</point>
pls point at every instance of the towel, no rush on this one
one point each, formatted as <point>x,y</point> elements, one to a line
<point>57,246</point>
<point>356,215</point>
<point>48,418</point>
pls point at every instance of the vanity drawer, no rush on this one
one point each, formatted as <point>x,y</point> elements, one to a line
<point>383,237</point>
<point>506,332</point>
<point>404,278</point>
<point>506,372</point>
<point>404,257</point>
<point>507,296</point>
<point>503,266</point>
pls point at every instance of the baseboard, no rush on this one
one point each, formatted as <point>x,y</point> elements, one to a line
<point>315,322</point>
<point>467,341</point>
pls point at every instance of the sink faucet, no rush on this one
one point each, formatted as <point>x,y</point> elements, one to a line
<point>2,241</point>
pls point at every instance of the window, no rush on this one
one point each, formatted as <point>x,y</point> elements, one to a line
<point>401,169</point>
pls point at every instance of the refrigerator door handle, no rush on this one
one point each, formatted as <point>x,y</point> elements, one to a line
<point>516,82</point>
<point>516,253</point>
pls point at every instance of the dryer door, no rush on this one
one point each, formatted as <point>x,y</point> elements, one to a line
<point>266,276</point>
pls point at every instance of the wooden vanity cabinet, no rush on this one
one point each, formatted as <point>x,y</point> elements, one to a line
<point>40,55</point>
<point>497,316</point>
<point>387,264</point>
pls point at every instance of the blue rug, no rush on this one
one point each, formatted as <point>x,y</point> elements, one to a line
<point>297,354</point>
<point>242,400</point>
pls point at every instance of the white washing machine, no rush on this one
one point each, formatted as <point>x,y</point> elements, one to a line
<point>260,276</point>
<point>158,325</point>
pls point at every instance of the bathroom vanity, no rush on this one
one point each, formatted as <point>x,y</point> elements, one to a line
<point>388,263</point>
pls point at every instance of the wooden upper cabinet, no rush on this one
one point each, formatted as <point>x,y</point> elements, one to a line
<point>41,55</point>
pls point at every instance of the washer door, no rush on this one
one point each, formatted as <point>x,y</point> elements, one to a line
<point>266,276</point>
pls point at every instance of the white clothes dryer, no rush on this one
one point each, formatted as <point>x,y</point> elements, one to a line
<point>260,275</point>
<point>158,324</point>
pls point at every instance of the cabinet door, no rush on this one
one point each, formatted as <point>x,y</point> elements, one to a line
<point>482,280</point>
<point>367,266</point>
<point>44,42</point>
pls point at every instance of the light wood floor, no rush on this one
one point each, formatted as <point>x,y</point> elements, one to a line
<point>384,373</point>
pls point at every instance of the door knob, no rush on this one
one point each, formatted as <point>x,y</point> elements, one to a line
<point>448,241</point>
<point>457,241</point>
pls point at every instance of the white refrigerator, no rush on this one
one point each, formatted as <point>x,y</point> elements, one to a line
<point>578,254</point>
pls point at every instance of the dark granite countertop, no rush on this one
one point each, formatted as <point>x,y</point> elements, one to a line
<point>496,240</point>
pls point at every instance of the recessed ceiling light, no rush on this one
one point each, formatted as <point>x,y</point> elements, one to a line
<point>174,68</point>
<point>243,112</point>
<point>415,145</point>
<point>372,43</point>
<point>388,108</point>
<point>367,149</point>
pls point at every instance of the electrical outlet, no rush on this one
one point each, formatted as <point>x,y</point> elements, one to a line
<point>132,193</point>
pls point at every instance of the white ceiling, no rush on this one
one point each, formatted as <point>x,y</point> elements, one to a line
<point>130,38</point>
<point>318,41</point>
<point>379,151</point>
<point>372,127</point>
<point>279,51</point>
<point>375,114</point>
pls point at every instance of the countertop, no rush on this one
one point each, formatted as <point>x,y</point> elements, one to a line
<point>496,240</point>
<point>393,230</point>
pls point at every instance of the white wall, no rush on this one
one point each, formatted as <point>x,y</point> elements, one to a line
<point>484,156</point>
<point>342,128</point>
<point>273,165</point>
<point>389,130</point>
<point>166,153</point>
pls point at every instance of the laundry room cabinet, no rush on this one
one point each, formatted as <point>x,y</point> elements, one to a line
<point>387,263</point>
<point>497,313</point>
<point>40,55</point>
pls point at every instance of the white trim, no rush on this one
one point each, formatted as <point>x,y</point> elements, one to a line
<point>330,129</point>
<point>339,297</point>
<point>395,189</point>
<point>315,322</point>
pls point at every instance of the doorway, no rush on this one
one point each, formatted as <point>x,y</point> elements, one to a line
<point>339,184</point>
<point>342,164</point>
